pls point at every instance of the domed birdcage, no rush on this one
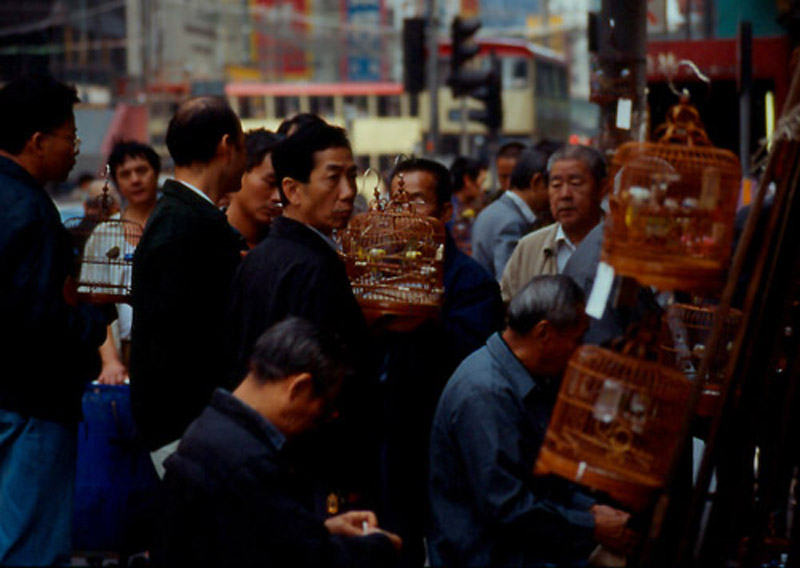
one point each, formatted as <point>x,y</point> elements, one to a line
<point>615,425</point>
<point>684,333</point>
<point>395,259</point>
<point>673,207</point>
<point>104,245</point>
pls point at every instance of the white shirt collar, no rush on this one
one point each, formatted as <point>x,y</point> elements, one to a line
<point>564,248</point>
<point>197,191</point>
<point>527,212</point>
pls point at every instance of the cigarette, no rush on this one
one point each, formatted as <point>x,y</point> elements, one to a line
<point>365,527</point>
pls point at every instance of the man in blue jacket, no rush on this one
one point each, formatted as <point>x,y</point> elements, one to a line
<point>487,508</point>
<point>48,342</point>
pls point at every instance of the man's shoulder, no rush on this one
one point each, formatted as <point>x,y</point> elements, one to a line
<point>539,238</point>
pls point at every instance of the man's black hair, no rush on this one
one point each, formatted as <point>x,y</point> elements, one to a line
<point>295,345</point>
<point>441,176</point>
<point>258,143</point>
<point>554,298</point>
<point>529,163</point>
<point>510,150</point>
<point>298,121</point>
<point>293,157</point>
<point>197,127</point>
<point>592,157</point>
<point>125,149</point>
<point>464,166</point>
<point>31,104</point>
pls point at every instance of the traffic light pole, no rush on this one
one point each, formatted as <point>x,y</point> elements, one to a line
<point>432,144</point>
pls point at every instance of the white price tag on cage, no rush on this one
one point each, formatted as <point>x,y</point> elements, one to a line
<point>624,110</point>
<point>601,289</point>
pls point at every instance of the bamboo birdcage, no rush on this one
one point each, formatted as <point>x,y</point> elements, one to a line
<point>615,424</point>
<point>673,207</point>
<point>395,259</point>
<point>104,247</point>
<point>685,331</point>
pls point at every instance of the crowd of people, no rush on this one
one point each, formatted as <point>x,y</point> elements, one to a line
<point>287,429</point>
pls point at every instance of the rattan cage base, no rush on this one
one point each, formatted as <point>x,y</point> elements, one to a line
<point>634,493</point>
<point>697,275</point>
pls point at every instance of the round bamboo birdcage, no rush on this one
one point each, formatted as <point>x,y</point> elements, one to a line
<point>685,331</point>
<point>104,246</point>
<point>395,259</point>
<point>615,424</point>
<point>672,208</point>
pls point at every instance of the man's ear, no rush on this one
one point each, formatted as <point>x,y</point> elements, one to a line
<point>35,143</point>
<point>291,189</point>
<point>536,180</point>
<point>542,331</point>
<point>299,385</point>
<point>447,212</point>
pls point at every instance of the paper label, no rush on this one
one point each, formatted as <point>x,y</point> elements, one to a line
<point>601,290</point>
<point>624,110</point>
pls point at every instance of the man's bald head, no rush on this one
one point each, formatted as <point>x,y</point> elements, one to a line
<point>198,126</point>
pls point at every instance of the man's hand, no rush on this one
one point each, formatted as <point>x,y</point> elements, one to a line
<point>359,523</point>
<point>113,373</point>
<point>610,529</point>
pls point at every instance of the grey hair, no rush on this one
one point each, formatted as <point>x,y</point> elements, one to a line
<point>592,157</point>
<point>554,298</point>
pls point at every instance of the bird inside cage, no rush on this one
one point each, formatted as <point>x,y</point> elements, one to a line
<point>104,244</point>
<point>395,259</point>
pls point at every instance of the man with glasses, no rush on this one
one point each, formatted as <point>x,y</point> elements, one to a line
<point>48,341</point>
<point>575,177</point>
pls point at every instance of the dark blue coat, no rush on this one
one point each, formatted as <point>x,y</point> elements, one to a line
<point>48,347</point>
<point>234,499</point>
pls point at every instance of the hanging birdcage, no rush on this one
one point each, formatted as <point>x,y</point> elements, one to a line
<point>684,333</point>
<point>673,207</point>
<point>104,246</point>
<point>615,424</point>
<point>395,259</point>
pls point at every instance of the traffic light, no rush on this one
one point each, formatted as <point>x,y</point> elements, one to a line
<point>414,54</point>
<point>463,81</point>
<point>492,97</point>
<point>486,86</point>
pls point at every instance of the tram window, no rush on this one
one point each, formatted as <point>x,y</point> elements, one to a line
<point>286,107</point>
<point>389,105</point>
<point>357,105</point>
<point>251,107</point>
<point>551,81</point>
<point>322,106</point>
<point>515,73</point>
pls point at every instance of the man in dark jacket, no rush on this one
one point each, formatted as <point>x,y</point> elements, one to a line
<point>233,495</point>
<point>48,343</point>
<point>296,271</point>
<point>182,270</point>
<point>419,361</point>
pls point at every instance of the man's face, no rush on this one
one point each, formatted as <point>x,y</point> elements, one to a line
<point>61,147</point>
<point>474,188</point>
<point>505,166</point>
<point>574,196</point>
<point>420,186</point>
<point>326,201</point>
<point>561,344</point>
<point>137,180</point>
<point>259,195</point>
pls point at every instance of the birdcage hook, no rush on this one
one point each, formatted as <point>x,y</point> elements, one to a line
<point>670,68</point>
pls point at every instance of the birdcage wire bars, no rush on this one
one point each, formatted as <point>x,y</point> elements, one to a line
<point>685,331</point>
<point>615,425</point>
<point>104,247</point>
<point>395,259</point>
<point>672,208</point>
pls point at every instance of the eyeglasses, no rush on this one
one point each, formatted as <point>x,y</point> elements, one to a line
<point>72,138</point>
